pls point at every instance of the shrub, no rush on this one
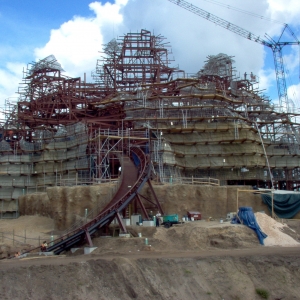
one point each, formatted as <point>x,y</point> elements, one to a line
<point>263,293</point>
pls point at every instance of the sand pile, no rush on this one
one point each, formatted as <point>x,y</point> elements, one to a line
<point>274,231</point>
<point>201,235</point>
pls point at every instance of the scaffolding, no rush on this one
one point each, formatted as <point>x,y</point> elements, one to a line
<point>132,60</point>
<point>212,124</point>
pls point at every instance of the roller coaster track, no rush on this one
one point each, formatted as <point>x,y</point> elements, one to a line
<point>133,179</point>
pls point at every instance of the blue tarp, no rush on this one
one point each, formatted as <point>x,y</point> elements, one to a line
<point>247,217</point>
<point>136,160</point>
<point>286,205</point>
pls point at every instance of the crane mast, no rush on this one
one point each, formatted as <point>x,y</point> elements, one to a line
<point>276,46</point>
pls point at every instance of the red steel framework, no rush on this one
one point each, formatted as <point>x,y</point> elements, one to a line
<point>48,98</point>
<point>136,87</point>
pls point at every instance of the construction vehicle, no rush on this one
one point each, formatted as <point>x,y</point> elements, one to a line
<point>170,220</point>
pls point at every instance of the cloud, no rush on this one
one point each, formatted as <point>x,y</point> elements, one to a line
<point>266,79</point>
<point>291,62</point>
<point>108,13</point>
<point>193,38</point>
<point>10,76</point>
<point>267,82</point>
<point>286,11</point>
<point>77,42</point>
<point>294,94</point>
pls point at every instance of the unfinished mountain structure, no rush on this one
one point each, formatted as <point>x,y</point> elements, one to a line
<point>213,124</point>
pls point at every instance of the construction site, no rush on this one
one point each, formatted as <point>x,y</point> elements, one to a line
<point>210,125</point>
<point>148,182</point>
<point>142,121</point>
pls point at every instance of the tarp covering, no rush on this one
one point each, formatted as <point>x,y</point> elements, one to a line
<point>286,205</point>
<point>247,217</point>
<point>136,160</point>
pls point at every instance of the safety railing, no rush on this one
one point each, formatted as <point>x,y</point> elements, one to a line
<point>190,180</point>
<point>75,182</point>
<point>19,239</point>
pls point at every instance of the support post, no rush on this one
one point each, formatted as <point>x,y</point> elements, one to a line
<point>142,206</point>
<point>118,216</point>
<point>85,214</point>
<point>88,238</point>
<point>237,200</point>
<point>272,203</point>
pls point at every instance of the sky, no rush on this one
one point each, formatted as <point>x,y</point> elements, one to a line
<point>75,31</point>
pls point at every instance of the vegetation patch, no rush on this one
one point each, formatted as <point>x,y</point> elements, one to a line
<point>262,293</point>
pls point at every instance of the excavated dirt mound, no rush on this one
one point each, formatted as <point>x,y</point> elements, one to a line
<point>222,276</point>
<point>24,233</point>
<point>201,235</point>
<point>194,260</point>
<point>197,236</point>
<point>29,231</point>
<point>275,231</point>
<point>191,236</point>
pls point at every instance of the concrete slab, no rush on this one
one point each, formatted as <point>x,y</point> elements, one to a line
<point>35,254</point>
<point>73,250</point>
<point>127,235</point>
<point>88,250</point>
<point>47,253</point>
<point>148,223</point>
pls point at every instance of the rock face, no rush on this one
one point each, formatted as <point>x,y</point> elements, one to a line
<point>67,205</point>
<point>156,278</point>
<point>211,201</point>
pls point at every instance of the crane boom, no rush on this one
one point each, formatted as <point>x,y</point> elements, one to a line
<point>219,21</point>
<point>275,46</point>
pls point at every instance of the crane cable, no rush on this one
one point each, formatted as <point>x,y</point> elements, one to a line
<point>243,11</point>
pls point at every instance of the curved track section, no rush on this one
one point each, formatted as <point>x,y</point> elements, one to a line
<point>136,172</point>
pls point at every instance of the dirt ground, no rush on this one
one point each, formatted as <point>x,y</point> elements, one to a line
<point>195,260</point>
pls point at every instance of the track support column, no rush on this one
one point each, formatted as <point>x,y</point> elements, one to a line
<point>142,206</point>
<point>118,216</point>
<point>88,238</point>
